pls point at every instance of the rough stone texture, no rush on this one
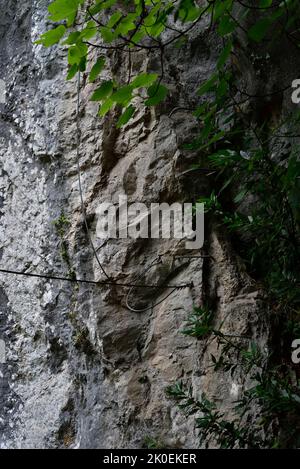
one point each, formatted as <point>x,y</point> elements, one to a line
<point>82,370</point>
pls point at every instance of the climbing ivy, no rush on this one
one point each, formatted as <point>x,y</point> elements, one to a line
<point>240,154</point>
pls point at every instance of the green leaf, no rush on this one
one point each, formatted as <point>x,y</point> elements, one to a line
<point>215,138</point>
<point>188,11</point>
<point>72,71</point>
<point>127,114</point>
<point>82,64</point>
<point>74,56</point>
<point>52,37</point>
<point>100,5</point>
<point>157,29</point>
<point>224,55</point>
<point>76,53</point>
<point>259,30</point>
<point>222,88</point>
<point>89,31</point>
<point>240,196</point>
<point>63,9</point>
<point>265,3</point>
<point>219,8</point>
<point>139,35</point>
<point>97,69</point>
<point>127,24</point>
<point>103,91</point>
<point>72,38</point>
<point>144,80</point>
<point>107,34</point>
<point>226,25</point>
<point>122,95</point>
<point>156,93</point>
<point>114,19</point>
<point>209,85</point>
<point>106,106</point>
<point>151,19</point>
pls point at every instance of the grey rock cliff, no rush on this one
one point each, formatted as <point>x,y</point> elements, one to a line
<point>82,370</point>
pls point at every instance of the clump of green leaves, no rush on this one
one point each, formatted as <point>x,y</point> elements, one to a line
<point>199,323</point>
<point>270,389</point>
<point>140,24</point>
<point>212,424</point>
<point>61,224</point>
<point>111,25</point>
<point>272,393</point>
<point>234,355</point>
<point>270,230</point>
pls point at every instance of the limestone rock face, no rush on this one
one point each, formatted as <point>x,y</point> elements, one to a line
<point>82,369</point>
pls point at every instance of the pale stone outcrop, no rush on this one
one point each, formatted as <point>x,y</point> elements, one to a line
<point>82,370</point>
